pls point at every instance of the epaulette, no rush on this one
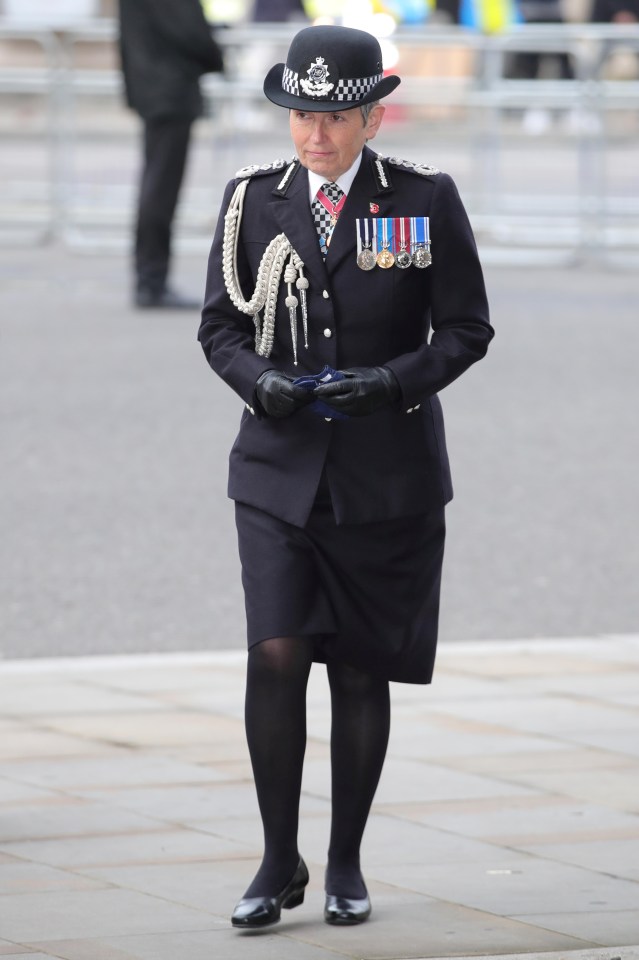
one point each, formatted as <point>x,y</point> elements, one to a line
<point>423,169</point>
<point>257,169</point>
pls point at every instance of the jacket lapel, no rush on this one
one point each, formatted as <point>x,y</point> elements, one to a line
<point>294,217</point>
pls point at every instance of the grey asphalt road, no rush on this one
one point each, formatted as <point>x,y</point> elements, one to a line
<point>116,535</point>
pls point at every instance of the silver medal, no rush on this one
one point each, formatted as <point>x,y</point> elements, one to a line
<point>366,259</point>
<point>366,239</point>
<point>422,257</point>
<point>403,258</point>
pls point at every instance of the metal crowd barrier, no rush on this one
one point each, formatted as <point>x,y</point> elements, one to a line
<point>565,194</point>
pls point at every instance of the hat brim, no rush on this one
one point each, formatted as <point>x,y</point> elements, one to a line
<point>273,90</point>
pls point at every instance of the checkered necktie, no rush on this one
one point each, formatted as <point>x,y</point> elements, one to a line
<point>323,221</point>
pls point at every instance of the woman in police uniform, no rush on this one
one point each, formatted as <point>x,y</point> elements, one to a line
<point>344,290</point>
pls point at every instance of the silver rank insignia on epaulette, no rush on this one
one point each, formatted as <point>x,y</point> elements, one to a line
<point>253,168</point>
<point>381,174</point>
<point>423,169</point>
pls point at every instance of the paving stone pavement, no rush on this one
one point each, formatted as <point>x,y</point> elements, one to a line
<point>506,822</point>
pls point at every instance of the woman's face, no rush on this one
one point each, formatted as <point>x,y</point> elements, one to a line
<point>329,143</point>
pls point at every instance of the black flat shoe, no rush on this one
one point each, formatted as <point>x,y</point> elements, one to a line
<point>341,911</point>
<point>262,911</point>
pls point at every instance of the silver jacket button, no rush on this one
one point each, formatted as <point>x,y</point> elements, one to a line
<point>328,332</point>
<point>325,294</point>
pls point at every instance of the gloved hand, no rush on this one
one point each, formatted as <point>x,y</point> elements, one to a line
<point>362,391</point>
<point>279,396</point>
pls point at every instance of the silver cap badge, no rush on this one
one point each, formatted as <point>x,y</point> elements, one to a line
<point>317,85</point>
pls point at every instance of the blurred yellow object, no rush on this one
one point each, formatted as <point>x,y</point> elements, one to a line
<point>224,11</point>
<point>328,11</point>
<point>379,17</point>
<point>497,15</point>
<point>378,7</point>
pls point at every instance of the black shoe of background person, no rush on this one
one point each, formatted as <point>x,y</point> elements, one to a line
<point>253,912</point>
<point>164,299</point>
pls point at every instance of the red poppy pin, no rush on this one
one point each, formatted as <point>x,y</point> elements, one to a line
<point>373,207</point>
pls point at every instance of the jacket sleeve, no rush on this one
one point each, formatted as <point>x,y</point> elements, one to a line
<point>227,335</point>
<point>461,329</point>
<point>184,26</point>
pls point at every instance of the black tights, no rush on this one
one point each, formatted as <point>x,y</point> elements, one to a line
<point>275,713</point>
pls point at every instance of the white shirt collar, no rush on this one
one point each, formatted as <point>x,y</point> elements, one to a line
<point>344,182</point>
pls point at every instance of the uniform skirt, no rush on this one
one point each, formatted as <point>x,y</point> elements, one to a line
<point>368,594</point>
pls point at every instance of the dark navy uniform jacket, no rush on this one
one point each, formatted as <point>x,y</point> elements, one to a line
<point>426,325</point>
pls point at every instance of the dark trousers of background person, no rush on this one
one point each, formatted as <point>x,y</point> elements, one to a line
<point>166,144</point>
<point>537,65</point>
<point>527,65</point>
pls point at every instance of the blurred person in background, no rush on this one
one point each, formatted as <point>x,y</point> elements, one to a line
<point>257,57</point>
<point>533,64</point>
<point>165,46</point>
<point>617,61</point>
<point>539,64</point>
<point>277,11</point>
<point>339,474</point>
<point>615,11</point>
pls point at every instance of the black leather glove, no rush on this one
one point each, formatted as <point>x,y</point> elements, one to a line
<point>278,396</point>
<point>362,391</point>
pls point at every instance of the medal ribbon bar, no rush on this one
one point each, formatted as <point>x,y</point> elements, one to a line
<point>365,245</point>
<point>420,231</point>
<point>385,257</point>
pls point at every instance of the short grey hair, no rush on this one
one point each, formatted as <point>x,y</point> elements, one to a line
<point>366,109</point>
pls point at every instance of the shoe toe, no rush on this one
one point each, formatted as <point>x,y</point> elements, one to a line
<point>255,912</point>
<point>343,911</point>
<point>262,911</point>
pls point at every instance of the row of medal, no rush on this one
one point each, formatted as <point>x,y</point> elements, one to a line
<point>393,241</point>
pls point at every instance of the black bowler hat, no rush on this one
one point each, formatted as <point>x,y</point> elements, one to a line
<point>329,68</point>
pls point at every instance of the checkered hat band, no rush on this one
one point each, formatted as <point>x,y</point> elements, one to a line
<point>291,81</point>
<point>357,88</point>
<point>353,89</point>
